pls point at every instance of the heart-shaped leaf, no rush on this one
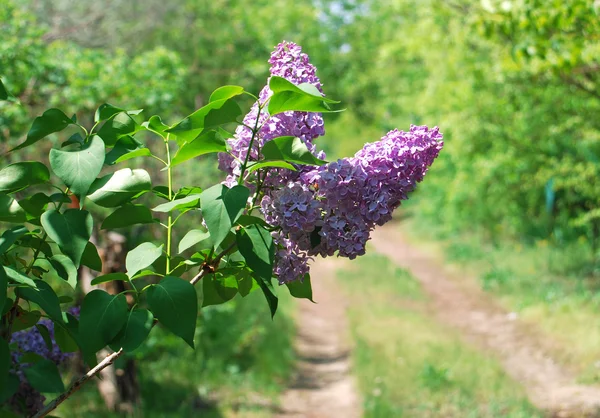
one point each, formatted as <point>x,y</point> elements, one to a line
<point>221,206</point>
<point>256,245</point>
<point>119,187</point>
<point>19,176</point>
<point>128,215</point>
<point>52,120</point>
<point>102,317</point>
<point>43,295</point>
<point>71,230</point>
<point>135,331</point>
<point>141,257</point>
<point>45,377</point>
<point>209,142</point>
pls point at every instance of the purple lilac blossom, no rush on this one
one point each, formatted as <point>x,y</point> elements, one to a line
<point>353,195</point>
<point>287,61</point>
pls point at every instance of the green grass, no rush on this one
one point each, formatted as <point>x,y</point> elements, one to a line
<point>552,287</point>
<point>242,362</point>
<point>410,365</point>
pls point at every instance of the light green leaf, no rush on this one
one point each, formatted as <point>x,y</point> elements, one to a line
<point>225,92</point>
<point>17,277</point>
<point>52,120</point>
<point>78,169</point>
<point>110,277</point>
<point>10,211</point>
<point>175,303</point>
<point>271,164</point>
<point>304,98</point>
<point>9,237</point>
<point>141,257</point>
<point>125,146</point>
<point>128,215</point>
<point>156,125</point>
<point>106,111</point>
<point>102,317</point>
<point>206,143</point>
<point>65,269</point>
<point>187,202</point>
<point>135,331</point>
<point>118,188</point>
<point>221,207</point>
<point>291,150</point>
<point>71,230</point>
<point>192,238</point>
<point>19,176</point>
<point>117,126</point>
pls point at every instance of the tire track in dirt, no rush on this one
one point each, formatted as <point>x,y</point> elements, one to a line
<point>483,322</point>
<point>323,386</point>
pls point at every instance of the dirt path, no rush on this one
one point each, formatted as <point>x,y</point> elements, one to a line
<point>323,386</point>
<point>549,386</point>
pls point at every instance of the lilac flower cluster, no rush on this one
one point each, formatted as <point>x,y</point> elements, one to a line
<point>332,209</point>
<point>287,61</point>
<point>27,399</point>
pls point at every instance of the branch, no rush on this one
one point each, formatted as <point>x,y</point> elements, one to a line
<point>78,383</point>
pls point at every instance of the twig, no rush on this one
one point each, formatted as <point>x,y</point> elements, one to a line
<point>78,383</point>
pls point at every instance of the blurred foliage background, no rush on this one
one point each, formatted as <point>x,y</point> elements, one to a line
<point>513,85</point>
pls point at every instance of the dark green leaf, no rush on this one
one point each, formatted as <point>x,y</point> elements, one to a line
<point>65,269</point>
<point>119,187</point>
<point>246,220</point>
<point>225,92</point>
<point>269,291</point>
<point>26,319</point>
<point>35,204</point>
<point>19,176</point>
<point>117,126</point>
<point>76,138</point>
<point>3,287</point>
<point>124,146</point>
<point>187,202</point>
<point>7,390</point>
<point>218,289</point>
<point>175,303</point>
<point>78,169</point>
<point>256,245</point>
<point>43,330</point>
<point>71,230</point>
<point>66,333</point>
<point>4,362</point>
<point>3,92</point>
<point>206,143</point>
<point>141,257</point>
<point>301,289</point>
<point>10,211</point>
<point>128,215</point>
<point>52,120</point>
<point>43,295</point>
<point>9,237</point>
<point>110,277</point>
<point>102,317</point>
<point>106,111</point>
<point>290,149</point>
<point>45,377</point>
<point>221,207</point>
<point>91,258</point>
<point>212,115</point>
<point>192,238</point>
<point>135,331</point>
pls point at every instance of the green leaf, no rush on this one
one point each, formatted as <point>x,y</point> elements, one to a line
<point>187,202</point>
<point>44,377</point>
<point>3,92</point>
<point>78,169</point>
<point>156,125</point>
<point>91,258</point>
<point>304,98</point>
<point>128,215</point>
<point>175,303</point>
<point>135,331</point>
<point>301,289</point>
<point>271,164</point>
<point>291,150</point>
<point>212,115</point>
<point>225,92</point>
<point>125,145</point>
<point>256,245</point>
<point>5,362</point>
<point>106,111</point>
<point>141,257</point>
<point>117,126</point>
<point>10,211</point>
<point>246,220</point>
<point>16,277</point>
<point>269,291</point>
<point>43,295</point>
<point>206,143</point>
<point>66,333</point>
<point>192,238</point>
<point>110,277</point>
<point>7,390</point>
<point>142,152</point>
<point>26,319</point>
<point>76,138</point>
<point>43,330</point>
<point>19,176</point>
<point>9,237</point>
<point>218,288</point>
<point>71,230</point>
<point>119,187</point>
<point>65,269</point>
<point>35,204</point>
<point>102,317</point>
<point>3,288</point>
<point>221,207</point>
<point>51,121</point>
